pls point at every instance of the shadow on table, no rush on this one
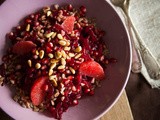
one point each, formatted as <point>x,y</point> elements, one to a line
<point>4,116</point>
<point>144,101</point>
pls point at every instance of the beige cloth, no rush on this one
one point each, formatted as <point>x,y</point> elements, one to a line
<point>145,16</point>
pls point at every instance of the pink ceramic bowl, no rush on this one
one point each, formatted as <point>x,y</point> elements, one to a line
<point>12,11</point>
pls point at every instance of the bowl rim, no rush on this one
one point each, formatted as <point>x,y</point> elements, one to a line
<point>130,62</point>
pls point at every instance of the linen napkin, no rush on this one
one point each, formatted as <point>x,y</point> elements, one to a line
<point>145,16</point>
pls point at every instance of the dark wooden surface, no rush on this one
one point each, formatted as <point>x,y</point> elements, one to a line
<point>144,101</point>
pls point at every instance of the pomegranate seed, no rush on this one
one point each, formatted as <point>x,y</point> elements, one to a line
<point>66,93</point>
<point>58,27</point>
<point>32,16</point>
<point>28,20</point>
<point>87,90</point>
<point>45,61</point>
<point>44,72</point>
<point>11,36</point>
<point>70,77</point>
<point>30,70</point>
<point>75,102</point>
<point>48,50</point>
<point>43,67</point>
<point>78,88</point>
<point>74,89</point>
<point>83,9</point>
<point>36,24</point>
<point>78,79</point>
<point>70,7</point>
<point>53,112</point>
<point>50,45</point>
<point>91,92</point>
<point>36,17</point>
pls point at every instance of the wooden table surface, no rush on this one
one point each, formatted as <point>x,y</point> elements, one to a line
<point>120,111</point>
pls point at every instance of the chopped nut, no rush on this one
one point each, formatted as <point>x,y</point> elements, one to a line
<point>37,53</point>
<point>54,34</point>
<point>61,67</point>
<point>50,55</point>
<point>71,54</point>
<point>63,61</point>
<point>42,30</point>
<point>43,17</point>
<point>78,49</point>
<point>28,105</point>
<point>62,98</point>
<point>28,27</point>
<point>58,55</point>
<point>54,60</point>
<point>72,34</point>
<point>52,102</point>
<point>36,109</point>
<point>41,54</point>
<point>63,54</point>
<point>63,76</point>
<point>72,70</point>
<point>48,35</point>
<point>46,9</point>
<point>52,77</point>
<point>40,34</point>
<point>67,43</point>
<point>78,56</point>
<point>1,80</point>
<point>62,42</point>
<point>49,13</point>
<point>12,82</point>
<point>50,72</point>
<point>67,48</point>
<point>56,94</point>
<point>16,98</point>
<point>56,6</point>
<point>30,63</point>
<point>68,57</point>
<point>53,65</point>
<point>62,90</point>
<point>38,65</point>
<point>60,36</point>
<point>54,82</point>
<point>23,105</point>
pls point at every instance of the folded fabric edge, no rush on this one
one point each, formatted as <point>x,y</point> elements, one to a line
<point>152,82</point>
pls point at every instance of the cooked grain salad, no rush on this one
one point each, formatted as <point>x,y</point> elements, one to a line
<point>56,57</point>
